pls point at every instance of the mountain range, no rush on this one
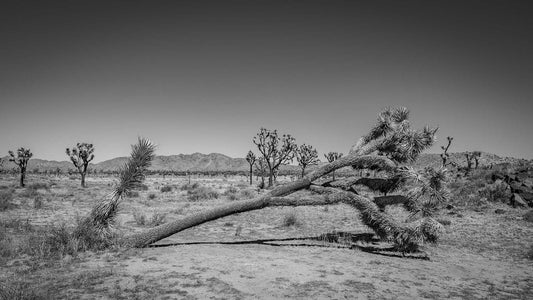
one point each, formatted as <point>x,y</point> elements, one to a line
<point>220,162</point>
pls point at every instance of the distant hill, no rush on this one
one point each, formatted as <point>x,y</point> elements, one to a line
<point>221,162</point>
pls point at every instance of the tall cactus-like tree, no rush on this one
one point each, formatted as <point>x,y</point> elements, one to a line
<point>21,160</point>
<point>306,156</point>
<point>80,156</point>
<point>471,157</point>
<point>444,155</point>
<point>331,157</point>
<point>275,150</point>
<point>251,158</point>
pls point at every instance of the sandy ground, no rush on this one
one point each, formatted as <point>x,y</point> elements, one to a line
<point>482,255</point>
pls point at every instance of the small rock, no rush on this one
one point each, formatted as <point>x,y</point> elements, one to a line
<point>517,201</point>
<point>499,211</point>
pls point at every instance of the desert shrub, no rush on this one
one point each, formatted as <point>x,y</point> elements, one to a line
<point>187,187</point>
<point>166,189</point>
<point>231,190</point>
<point>21,291</point>
<point>152,196</point>
<point>202,193</point>
<point>231,193</point>
<point>142,187</point>
<point>5,199</point>
<point>38,202</point>
<point>528,216</point>
<point>445,222</point>
<point>530,253</point>
<point>233,197</point>
<point>247,194</point>
<point>497,192</point>
<point>290,219</point>
<point>139,217</point>
<point>132,194</point>
<point>157,219</point>
<point>39,185</point>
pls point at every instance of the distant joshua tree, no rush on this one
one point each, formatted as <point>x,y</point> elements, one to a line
<point>306,156</point>
<point>80,156</point>
<point>444,155</point>
<point>331,157</point>
<point>250,158</point>
<point>472,157</point>
<point>21,160</point>
<point>275,150</point>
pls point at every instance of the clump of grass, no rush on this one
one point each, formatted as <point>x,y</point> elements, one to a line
<point>444,222</point>
<point>132,194</point>
<point>290,219</point>
<point>140,218</point>
<point>38,202</point>
<point>157,219</point>
<point>142,187</point>
<point>231,193</point>
<point>202,193</point>
<point>39,185</point>
<point>152,196</point>
<point>21,291</point>
<point>166,189</point>
<point>247,194</point>
<point>188,187</point>
<point>6,196</point>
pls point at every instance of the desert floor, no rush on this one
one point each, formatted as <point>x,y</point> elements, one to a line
<point>482,255</point>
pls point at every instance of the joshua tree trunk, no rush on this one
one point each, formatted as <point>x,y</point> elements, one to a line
<point>303,172</point>
<point>22,177</point>
<point>251,174</point>
<point>83,180</point>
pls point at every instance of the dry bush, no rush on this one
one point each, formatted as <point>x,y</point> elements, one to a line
<point>140,218</point>
<point>39,185</point>
<point>187,187</point>
<point>152,196</point>
<point>166,189</point>
<point>157,219</point>
<point>290,219</point>
<point>202,193</point>
<point>38,202</point>
<point>21,291</point>
<point>247,194</point>
<point>132,194</point>
<point>6,196</point>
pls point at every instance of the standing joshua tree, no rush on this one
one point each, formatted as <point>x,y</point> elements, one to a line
<point>306,156</point>
<point>21,160</point>
<point>80,156</point>
<point>331,157</point>
<point>275,150</point>
<point>445,156</point>
<point>250,158</point>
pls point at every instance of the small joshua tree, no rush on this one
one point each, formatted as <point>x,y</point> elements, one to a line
<point>261,169</point>
<point>80,156</point>
<point>275,150</point>
<point>445,156</point>
<point>250,158</point>
<point>21,160</point>
<point>472,157</point>
<point>306,156</point>
<point>331,157</point>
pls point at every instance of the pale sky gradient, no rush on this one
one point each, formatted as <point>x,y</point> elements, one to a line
<point>204,76</point>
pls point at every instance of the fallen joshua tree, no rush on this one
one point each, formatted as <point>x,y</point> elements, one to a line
<point>386,148</point>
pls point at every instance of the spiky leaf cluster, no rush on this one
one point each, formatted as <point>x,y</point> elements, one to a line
<point>428,190</point>
<point>393,137</point>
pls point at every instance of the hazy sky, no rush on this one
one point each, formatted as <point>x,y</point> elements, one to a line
<point>204,76</point>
